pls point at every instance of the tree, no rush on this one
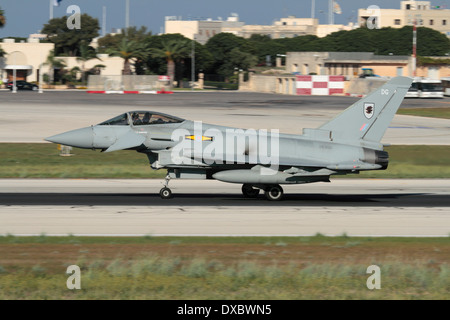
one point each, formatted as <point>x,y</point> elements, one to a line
<point>109,41</point>
<point>237,60</point>
<point>86,53</point>
<point>2,18</point>
<point>67,42</point>
<point>128,50</point>
<point>173,51</point>
<point>231,52</point>
<point>53,62</point>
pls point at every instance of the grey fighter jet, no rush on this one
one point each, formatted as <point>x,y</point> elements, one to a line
<point>257,159</point>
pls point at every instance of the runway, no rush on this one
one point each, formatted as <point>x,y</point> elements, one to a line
<point>357,207</point>
<point>30,117</point>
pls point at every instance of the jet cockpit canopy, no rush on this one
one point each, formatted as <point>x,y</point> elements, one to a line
<point>140,118</point>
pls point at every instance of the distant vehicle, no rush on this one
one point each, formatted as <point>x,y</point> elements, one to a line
<point>22,85</point>
<point>446,85</point>
<point>413,91</point>
<point>367,72</point>
<point>429,88</point>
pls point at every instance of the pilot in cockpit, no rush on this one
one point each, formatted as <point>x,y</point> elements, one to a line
<point>146,118</point>
<point>136,120</point>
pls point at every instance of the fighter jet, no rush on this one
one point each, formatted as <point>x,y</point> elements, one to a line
<point>257,159</point>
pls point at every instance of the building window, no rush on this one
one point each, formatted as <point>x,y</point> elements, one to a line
<point>284,23</point>
<point>305,68</point>
<point>408,7</point>
<point>431,22</point>
<point>444,22</point>
<point>397,22</point>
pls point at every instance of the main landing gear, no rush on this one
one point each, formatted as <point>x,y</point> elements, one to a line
<point>249,192</point>
<point>165,192</point>
<point>272,192</point>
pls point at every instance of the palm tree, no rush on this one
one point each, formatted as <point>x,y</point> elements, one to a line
<point>128,50</point>
<point>86,54</point>
<point>54,62</point>
<point>2,18</point>
<point>173,51</point>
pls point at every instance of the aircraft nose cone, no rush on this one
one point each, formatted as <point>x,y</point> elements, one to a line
<point>80,138</point>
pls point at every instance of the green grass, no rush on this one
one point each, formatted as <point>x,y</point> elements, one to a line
<point>411,268</point>
<point>42,160</point>
<point>175,240</point>
<point>426,112</point>
<point>159,278</point>
<point>35,160</point>
<point>417,161</point>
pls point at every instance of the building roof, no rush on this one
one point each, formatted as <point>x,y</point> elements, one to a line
<point>362,56</point>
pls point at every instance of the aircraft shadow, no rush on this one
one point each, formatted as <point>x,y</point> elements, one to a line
<point>190,199</point>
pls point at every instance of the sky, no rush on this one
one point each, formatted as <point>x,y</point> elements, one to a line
<point>24,17</point>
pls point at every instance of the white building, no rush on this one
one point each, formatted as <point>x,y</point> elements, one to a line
<point>284,28</point>
<point>422,12</point>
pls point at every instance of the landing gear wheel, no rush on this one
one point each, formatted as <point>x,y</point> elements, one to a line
<point>274,193</point>
<point>249,192</point>
<point>165,193</point>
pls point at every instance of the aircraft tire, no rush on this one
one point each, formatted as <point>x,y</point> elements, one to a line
<point>249,192</point>
<point>274,193</point>
<point>165,193</point>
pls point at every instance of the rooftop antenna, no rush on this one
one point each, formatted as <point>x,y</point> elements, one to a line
<point>104,21</point>
<point>330,12</point>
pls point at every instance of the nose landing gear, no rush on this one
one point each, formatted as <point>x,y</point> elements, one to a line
<point>165,192</point>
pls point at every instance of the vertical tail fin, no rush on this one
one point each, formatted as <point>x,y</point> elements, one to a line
<point>369,118</point>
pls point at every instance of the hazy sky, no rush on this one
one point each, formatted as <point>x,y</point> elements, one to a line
<point>28,16</point>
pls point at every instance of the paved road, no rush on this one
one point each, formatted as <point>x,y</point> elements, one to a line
<point>30,116</point>
<point>131,207</point>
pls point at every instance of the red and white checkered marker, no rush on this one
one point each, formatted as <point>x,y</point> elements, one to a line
<point>320,85</point>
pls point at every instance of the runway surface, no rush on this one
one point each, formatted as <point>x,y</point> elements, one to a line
<point>356,207</point>
<point>30,117</point>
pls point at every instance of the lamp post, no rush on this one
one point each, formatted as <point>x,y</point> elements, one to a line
<point>127,15</point>
<point>14,90</point>
<point>193,63</point>
<point>41,78</point>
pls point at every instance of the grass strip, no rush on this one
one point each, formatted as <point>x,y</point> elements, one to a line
<point>426,112</point>
<point>32,160</point>
<point>223,268</point>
